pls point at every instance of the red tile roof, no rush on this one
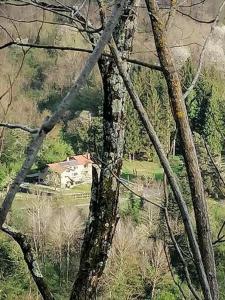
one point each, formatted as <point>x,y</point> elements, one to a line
<point>81,159</point>
<point>73,161</point>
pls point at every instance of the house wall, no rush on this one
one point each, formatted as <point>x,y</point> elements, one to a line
<point>52,179</point>
<point>80,174</point>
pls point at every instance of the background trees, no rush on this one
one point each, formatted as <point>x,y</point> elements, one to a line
<point>94,119</point>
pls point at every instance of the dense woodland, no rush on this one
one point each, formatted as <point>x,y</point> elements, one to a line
<point>133,83</point>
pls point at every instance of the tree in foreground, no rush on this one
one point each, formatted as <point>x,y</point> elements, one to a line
<point>103,214</point>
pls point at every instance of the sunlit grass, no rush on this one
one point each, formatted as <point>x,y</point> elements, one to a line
<point>141,168</point>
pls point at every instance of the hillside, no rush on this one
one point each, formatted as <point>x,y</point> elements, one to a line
<point>112,156</point>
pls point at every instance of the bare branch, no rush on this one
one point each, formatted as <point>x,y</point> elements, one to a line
<point>68,48</point>
<point>193,4</point>
<point>187,275</point>
<point>220,238</point>
<point>195,19</point>
<point>172,273</point>
<point>99,162</point>
<point>133,192</point>
<point>29,257</point>
<point>58,9</point>
<point>20,126</point>
<point>213,162</point>
<point>36,21</point>
<point>180,116</point>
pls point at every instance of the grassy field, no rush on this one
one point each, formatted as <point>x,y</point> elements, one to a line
<point>25,201</point>
<point>66,197</point>
<point>141,168</point>
<point>82,188</point>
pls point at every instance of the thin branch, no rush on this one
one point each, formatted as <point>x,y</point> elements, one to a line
<point>58,9</point>
<point>136,194</point>
<point>201,58</point>
<point>29,257</point>
<point>13,4</point>
<point>195,19</point>
<point>99,162</point>
<point>191,5</point>
<point>68,48</point>
<point>187,275</point>
<point>213,162</point>
<point>20,126</point>
<point>171,15</point>
<point>177,247</point>
<point>172,273</point>
<point>220,238</point>
<point>36,21</point>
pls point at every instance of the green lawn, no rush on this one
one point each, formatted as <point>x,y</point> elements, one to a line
<point>81,188</point>
<point>25,201</point>
<point>141,168</point>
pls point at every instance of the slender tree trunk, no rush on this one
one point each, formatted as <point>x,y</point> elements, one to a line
<point>168,170</point>
<point>2,137</point>
<point>189,152</point>
<point>68,262</point>
<point>103,214</point>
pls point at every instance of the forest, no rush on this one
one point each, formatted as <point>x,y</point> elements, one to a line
<point>135,90</point>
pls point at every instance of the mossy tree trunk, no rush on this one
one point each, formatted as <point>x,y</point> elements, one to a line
<point>103,215</point>
<point>189,152</point>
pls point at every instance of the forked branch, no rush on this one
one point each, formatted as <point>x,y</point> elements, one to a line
<point>30,259</point>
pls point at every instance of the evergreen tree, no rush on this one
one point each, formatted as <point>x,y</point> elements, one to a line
<point>133,138</point>
<point>204,106</point>
<point>152,90</point>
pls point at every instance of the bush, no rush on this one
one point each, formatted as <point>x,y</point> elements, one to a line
<point>14,276</point>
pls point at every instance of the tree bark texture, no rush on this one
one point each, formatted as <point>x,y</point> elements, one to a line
<point>189,152</point>
<point>103,215</point>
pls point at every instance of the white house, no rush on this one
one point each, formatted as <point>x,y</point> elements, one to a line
<point>76,169</point>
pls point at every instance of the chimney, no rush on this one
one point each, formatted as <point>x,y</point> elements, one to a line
<point>67,159</point>
<point>88,156</point>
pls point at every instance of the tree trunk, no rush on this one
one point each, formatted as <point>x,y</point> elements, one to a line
<point>168,170</point>
<point>189,152</point>
<point>103,215</point>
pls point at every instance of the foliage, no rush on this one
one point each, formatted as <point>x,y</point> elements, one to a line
<point>12,155</point>
<point>133,134</point>
<point>152,90</point>
<point>204,106</point>
<point>53,150</point>
<point>14,146</point>
<point>133,208</point>
<point>89,99</point>
<point>84,133</point>
<point>4,176</point>
<point>14,276</point>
